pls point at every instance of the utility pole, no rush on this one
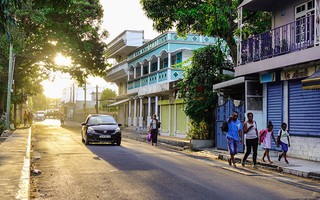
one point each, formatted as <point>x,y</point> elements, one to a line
<point>97,107</point>
<point>73,101</point>
<point>10,78</point>
<point>85,101</point>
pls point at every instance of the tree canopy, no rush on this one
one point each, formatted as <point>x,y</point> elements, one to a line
<point>106,96</point>
<point>216,18</point>
<point>45,28</point>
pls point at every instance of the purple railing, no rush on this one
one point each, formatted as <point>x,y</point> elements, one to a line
<point>291,37</point>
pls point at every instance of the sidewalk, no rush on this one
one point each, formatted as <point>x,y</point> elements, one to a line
<point>15,165</point>
<point>298,167</point>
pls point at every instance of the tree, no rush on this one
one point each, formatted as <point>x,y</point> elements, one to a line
<point>106,96</point>
<point>209,17</point>
<point>206,69</point>
<point>46,28</point>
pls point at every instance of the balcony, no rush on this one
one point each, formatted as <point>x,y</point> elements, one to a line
<point>295,36</point>
<point>158,77</point>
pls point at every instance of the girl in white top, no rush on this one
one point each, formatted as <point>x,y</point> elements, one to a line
<point>267,141</point>
<point>284,142</point>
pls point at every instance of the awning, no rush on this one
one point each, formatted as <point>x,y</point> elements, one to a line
<point>118,102</point>
<point>312,82</point>
<point>228,83</point>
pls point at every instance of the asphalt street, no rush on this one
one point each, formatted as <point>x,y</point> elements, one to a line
<point>137,170</point>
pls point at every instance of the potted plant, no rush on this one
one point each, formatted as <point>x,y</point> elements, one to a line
<point>199,135</point>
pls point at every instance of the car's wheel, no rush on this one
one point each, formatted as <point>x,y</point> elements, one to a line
<point>86,142</point>
<point>119,142</point>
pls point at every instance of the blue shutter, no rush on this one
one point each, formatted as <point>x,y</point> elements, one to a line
<point>304,110</point>
<point>275,108</point>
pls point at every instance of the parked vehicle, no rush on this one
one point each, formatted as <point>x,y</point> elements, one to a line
<point>40,115</point>
<point>101,128</point>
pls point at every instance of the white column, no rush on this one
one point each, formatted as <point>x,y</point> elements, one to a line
<point>170,119</point>
<point>140,113</point>
<point>149,68</point>
<point>175,120</point>
<point>156,106</point>
<point>129,114</point>
<point>141,70</point>
<point>169,67</point>
<point>285,102</point>
<point>149,111</point>
<point>158,63</point>
<point>135,72</point>
<point>135,113</point>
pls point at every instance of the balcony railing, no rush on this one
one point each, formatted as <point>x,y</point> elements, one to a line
<point>160,76</point>
<point>294,36</point>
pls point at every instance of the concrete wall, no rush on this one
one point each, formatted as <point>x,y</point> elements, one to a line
<point>305,147</point>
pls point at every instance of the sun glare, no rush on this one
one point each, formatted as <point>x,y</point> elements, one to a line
<point>62,60</point>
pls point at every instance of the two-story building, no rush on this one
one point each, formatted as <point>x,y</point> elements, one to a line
<point>286,61</point>
<point>146,73</point>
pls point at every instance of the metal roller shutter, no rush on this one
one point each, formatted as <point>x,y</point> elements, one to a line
<point>304,110</point>
<point>275,107</point>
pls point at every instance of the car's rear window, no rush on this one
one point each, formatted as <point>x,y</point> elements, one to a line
<point>101,120</point>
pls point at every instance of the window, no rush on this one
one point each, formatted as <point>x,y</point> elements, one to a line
<point>253,95</point>
<point>304,23</point>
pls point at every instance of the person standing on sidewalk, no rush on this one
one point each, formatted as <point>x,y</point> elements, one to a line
<point>25,118</point>
<point>251,135</point>
<point>154,129</point>
<point>267,134</point>
<point>234,136</point>
<point>284,142</point>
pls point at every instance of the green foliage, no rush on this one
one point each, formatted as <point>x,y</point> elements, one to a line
<point>213,18</point>
<point>198,130</point>
<point>48,27</point>
<point>205,70</point>
<point>40,102</point>
<point>106,96</point>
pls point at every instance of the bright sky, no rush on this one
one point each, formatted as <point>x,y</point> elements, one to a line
<point>119,15</point>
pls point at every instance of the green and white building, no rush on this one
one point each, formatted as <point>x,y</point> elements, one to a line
<point>146,73</point>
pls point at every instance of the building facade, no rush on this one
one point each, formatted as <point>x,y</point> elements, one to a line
<point>281,60</point>
<point>147,78</point>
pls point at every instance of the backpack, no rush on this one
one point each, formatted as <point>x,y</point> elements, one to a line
<point>262,135</point>
<point>224,126</point>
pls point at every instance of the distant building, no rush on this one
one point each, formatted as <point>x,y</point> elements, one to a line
<point>74,101</point>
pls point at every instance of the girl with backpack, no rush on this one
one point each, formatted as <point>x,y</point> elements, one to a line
<point>284,142</point>
<point>265,138</point>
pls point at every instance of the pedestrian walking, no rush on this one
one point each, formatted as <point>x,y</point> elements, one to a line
<point>154,129</point>
<point>62,119</point>
<point>25,118</point>
<point>234,136</point>
<point>284,141</point>
<point>267,135</point>
<point>30,118</point>
<point>251,136</point>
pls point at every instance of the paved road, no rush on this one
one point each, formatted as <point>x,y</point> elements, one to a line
<point>135,170</point>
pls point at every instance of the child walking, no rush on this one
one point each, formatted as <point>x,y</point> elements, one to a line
<point>268,134</point>
<point>284,142</point>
